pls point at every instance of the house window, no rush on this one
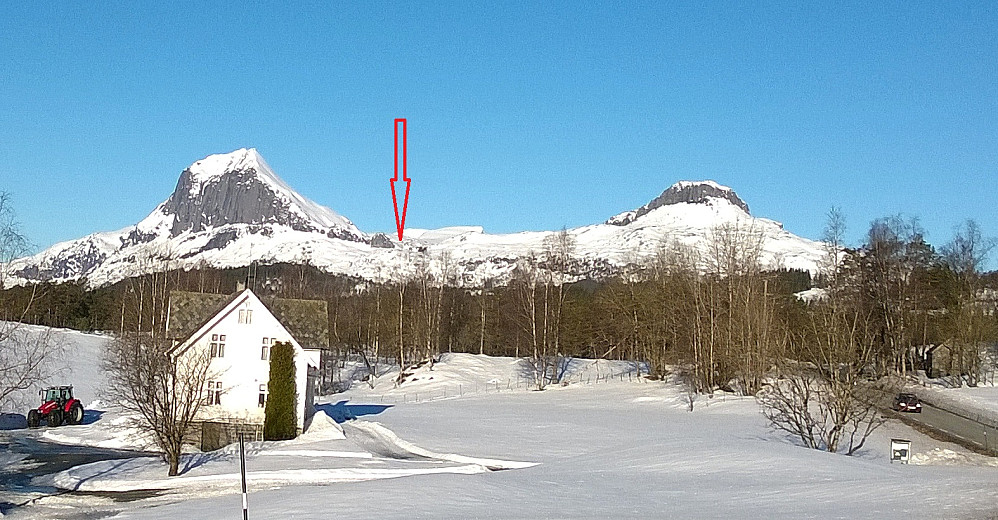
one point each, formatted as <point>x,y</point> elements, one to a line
<point>214,393</point>
<point>218,345</point>
<point>245,316</point>
<point>262,401</point>
<point>265,349</point>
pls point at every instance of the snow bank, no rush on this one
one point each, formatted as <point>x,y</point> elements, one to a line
<point>624,451</point>
<point>388,437</point>
<point>322,428</point>
<point>147,473</point>
<point>614,449</point>
<point>320,456</point>
<point>118,432</point>
<point>948,457</point>
<point>811,295</point>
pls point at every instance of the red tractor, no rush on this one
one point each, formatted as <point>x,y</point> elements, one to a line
<point>58,405</point>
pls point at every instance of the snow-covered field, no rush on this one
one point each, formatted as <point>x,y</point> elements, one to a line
<point>469,440</point>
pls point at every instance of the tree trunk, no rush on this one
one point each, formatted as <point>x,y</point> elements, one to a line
<point>173,458</point>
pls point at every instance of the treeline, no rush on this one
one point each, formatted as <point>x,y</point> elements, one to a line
<point>893,305</point>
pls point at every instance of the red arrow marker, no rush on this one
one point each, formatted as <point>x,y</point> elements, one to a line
<point>400,222</point>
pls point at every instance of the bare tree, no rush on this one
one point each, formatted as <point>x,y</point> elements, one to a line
<point>527,278</point>
<point>820,393</point>
<point>688,379</point>
<point>430,291</point>
<point>402,278</point>
<point>483,296</point>
<point>165,391</point>
<point>825,407</point>
<point>13,243</point>
<point>373,338</point>
<point>740,314</point>
<point>448,277</point>
<point>26,356</point>
<point>558,251</point>
<point>834,240</point>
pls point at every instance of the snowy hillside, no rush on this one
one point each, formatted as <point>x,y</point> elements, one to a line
<point>75,361</point>
<point>231,209</point>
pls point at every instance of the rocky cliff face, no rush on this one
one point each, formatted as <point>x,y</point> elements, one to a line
<point>687,192</point>
<point>238,197</point>
<point>240,188</point>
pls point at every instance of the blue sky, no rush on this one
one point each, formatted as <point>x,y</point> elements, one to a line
<point>532,115</point>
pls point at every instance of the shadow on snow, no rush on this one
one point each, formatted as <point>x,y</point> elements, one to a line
<point>17,421</point>
<point>341,411</point>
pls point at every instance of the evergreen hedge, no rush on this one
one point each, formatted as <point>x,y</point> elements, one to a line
<point>280,420</point>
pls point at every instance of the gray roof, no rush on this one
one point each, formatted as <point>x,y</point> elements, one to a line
<point>306,320</point>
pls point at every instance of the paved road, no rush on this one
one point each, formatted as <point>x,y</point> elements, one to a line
<point>43,458</point>
<point>950,424</point>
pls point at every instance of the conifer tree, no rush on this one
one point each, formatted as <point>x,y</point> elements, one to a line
<point>279,414</point>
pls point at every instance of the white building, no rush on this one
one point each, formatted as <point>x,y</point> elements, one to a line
<point>238,331</point>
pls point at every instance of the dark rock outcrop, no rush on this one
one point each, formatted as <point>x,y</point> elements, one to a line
<point>221,239</point>
<point>382,240</point>
<point>238,197</point>
<point>680,193</point>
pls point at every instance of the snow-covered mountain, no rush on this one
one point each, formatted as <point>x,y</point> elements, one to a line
<point>229,210</point>
<point>240,188</point>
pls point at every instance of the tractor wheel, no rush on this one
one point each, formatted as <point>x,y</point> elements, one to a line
<point>33,419</point>
<point>75,413</point>
<point>55,417</point>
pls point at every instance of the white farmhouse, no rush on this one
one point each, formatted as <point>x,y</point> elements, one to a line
<point>238,331</point>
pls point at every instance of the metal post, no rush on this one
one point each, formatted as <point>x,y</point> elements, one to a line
<point>242,471</point>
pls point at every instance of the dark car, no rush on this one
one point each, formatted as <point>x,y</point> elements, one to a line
<point>907,403</point>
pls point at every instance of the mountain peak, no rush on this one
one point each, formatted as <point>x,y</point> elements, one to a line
<point>683,192</point>
<point>220,163</point>
<point>681,185</point>
<point>239,187</point>
<point>695,192</point>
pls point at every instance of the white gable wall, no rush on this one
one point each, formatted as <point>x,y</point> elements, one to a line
<point>241,369</point>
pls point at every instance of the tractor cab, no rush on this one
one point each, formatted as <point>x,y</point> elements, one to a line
<point>59,394</point>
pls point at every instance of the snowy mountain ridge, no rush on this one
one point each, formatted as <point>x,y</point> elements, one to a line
<point>229,210</point>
